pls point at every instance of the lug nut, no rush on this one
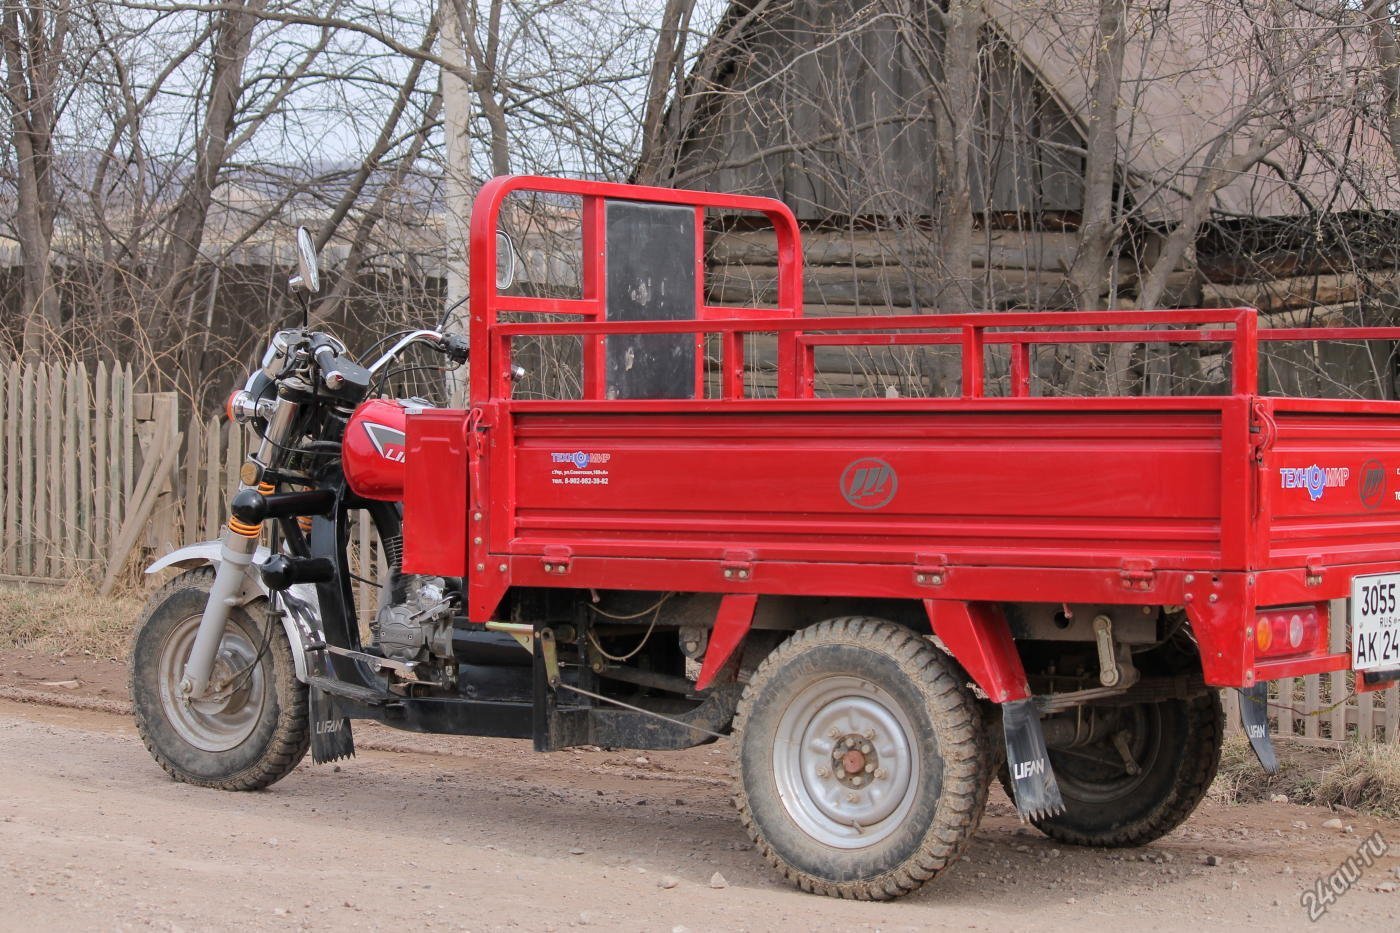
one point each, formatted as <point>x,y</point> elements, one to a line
<point>857,780</point>
<point>865,749</point>
<point>869,768</point>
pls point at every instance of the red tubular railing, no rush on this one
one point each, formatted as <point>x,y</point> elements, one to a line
<point>486,304</point>
<point>972,332</point>
<point>799,338</point>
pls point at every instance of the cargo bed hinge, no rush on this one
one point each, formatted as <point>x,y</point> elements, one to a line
<point>1137,574</point>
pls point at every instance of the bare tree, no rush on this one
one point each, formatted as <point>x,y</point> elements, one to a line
<point>34,38</point>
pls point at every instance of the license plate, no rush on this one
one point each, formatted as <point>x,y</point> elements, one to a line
<point>1375,621</point>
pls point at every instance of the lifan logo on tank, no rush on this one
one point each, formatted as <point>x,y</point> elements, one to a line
<point>869,483</point>
<point>1315,479</point>
<point>388,441</point>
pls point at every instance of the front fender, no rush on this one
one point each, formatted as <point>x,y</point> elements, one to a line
<point>302,618</point>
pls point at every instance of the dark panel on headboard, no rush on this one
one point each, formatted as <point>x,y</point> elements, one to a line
<point>651,277</point>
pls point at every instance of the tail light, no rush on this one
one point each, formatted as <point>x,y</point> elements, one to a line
<point>1288,631</point>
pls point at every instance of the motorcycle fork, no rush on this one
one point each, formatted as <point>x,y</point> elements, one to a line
<point>239,543</point>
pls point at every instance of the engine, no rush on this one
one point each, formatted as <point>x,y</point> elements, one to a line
<point>420,627</point>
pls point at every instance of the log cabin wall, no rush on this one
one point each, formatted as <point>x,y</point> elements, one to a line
<point>828,108</point>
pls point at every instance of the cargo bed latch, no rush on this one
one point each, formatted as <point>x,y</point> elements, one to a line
<point>1137,574</point>
<point>557,559</point>
<point>1315,569</point>
<point>930,569</point>
<point>737,566</point>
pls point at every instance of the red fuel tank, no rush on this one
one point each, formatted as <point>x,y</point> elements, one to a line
<point>372,450</point>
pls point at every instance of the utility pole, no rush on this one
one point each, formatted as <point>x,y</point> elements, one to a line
<point>457,178</point>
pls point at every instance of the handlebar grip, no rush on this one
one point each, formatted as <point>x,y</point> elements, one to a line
<point>340,374</point>
<point>456,348</point>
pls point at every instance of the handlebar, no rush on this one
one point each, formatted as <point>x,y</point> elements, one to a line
<point>454,346</point>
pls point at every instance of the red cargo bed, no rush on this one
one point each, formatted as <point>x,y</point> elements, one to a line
<point>1220,504</point>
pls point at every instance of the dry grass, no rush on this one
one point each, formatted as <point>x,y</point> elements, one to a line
<point>69,620</point>
<point>1362,776</point>
<point>1366,778</point>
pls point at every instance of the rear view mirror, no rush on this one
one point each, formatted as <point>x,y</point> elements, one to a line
<point>308,275</point>
<point>505,261</point>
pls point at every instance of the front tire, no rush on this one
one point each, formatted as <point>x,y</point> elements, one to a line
<point>862,763</point>
<point>246,735</point>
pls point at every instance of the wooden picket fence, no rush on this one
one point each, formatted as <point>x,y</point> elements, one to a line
<point>96,475</point>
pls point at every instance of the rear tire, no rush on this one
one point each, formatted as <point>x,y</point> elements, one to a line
<point>862,764</point>
<point>1177,742</point>
<point>249,735</point>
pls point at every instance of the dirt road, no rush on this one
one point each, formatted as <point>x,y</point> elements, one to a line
<point>472,834</point>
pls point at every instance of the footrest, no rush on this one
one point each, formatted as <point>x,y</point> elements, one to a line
<point>350,691</point>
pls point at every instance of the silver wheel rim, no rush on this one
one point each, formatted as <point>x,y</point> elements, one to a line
<point>233,706</point>
<point>837,805</point>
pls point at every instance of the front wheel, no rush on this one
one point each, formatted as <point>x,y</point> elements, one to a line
<point>862,765</point>
<point>251,729</point>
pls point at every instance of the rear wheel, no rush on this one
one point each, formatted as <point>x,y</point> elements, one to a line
<point>862,765</point>
<point>1175,748</point>
<point>251,728</point>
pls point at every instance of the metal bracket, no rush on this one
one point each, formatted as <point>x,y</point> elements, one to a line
<point>522,632</point>
<point>551,655</point>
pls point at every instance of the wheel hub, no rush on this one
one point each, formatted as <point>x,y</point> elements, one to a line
<point>846,762</point>
<point>229,711</point>
<point>857,760</point>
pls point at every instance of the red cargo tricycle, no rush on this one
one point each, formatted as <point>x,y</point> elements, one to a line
<point>884,603</point>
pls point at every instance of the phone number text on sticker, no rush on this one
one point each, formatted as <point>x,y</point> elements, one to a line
<point>1375,622</point>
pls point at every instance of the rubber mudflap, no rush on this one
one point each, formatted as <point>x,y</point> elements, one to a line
<point>331,738</point>
<point>1027,760</point>
<point>1254,713</point>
